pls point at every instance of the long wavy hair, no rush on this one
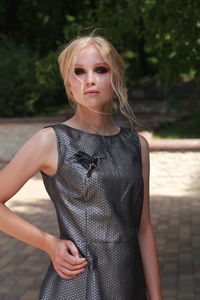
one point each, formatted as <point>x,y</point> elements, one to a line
<point>67,59</point>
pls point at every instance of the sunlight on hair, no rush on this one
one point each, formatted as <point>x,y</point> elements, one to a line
<point>67,60</point>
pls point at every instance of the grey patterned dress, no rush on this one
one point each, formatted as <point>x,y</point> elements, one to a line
<point>97,192</point>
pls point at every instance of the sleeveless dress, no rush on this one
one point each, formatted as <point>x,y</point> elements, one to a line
<point>97,192</point>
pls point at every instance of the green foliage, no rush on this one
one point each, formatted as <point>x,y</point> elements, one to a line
<point>172,30</point>
<point>28,84</point>
<point>16,79</point>
<point>49,83</point>
<point>157,39</point>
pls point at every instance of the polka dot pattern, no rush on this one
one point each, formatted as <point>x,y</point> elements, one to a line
<point>100,214</point>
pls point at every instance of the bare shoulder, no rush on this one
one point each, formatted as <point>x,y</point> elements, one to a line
<point>144,143</point>
<point>40,141</point>
<point>36,149</point>
<point>44,136</point>
<point>45,140</point>
<point>144,151</point>
<point>49,151</point>
<point>38,153</point>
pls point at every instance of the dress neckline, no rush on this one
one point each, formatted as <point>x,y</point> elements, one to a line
<point>92,133</point>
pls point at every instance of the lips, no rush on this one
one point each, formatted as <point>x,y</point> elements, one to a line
<point>91,92</point>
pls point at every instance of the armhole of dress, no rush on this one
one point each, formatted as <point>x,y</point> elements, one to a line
<point>59,152</point>
<point>139,147</point>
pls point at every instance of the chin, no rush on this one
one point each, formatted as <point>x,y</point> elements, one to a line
<point>93,103</point>
<point>96,104</point>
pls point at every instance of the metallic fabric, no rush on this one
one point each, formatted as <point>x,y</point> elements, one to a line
<point>97,192</point>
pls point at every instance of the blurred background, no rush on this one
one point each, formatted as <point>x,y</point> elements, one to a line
<point>160,43</point>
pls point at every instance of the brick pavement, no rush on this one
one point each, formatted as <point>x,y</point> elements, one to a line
<point>175,219</point>
<point>177,227</point>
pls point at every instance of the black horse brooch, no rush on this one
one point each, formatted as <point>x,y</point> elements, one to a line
<point>87,161</point>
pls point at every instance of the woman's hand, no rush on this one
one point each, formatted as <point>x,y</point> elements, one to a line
<point>38,155</point>
<point>65,258</point>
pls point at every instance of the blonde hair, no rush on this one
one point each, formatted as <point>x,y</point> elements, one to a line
<point>67,59</point>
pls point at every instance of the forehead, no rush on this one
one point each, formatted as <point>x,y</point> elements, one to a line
<point>89,54</point>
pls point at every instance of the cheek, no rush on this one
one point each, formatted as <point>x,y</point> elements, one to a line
<point>106,83</point>
<point>75,86</point>
<point>108,87</point>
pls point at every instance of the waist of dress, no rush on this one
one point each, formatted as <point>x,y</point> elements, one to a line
<point>100,241</point>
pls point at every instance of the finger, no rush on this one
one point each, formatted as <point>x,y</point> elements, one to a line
<point>74,252</point>
<point>67,265</point>
<point>67,272</point>
<point>63,262</point>
<point>73,260</point>
<point>73,249</point>
<point>62,275</point>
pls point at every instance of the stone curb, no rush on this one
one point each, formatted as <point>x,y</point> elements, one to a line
<point>170,145</point>
<point>32,119</point>
<point>175,145</point>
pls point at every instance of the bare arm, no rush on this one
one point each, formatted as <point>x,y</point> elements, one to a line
<point>146,235</point>
<point>38,153</point>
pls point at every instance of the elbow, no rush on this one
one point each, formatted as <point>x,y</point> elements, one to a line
<point>4,199</point>
<point>2,203</point>
<point>145,229</point>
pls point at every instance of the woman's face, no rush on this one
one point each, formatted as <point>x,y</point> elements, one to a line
<point>91,84</point>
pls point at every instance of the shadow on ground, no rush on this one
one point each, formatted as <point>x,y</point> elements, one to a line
<point>176,224</point>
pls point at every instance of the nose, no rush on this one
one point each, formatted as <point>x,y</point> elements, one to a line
<point>90,80</point>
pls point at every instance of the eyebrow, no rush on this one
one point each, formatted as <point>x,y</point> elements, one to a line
<point>100,63</point>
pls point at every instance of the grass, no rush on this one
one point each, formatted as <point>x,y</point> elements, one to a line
<point>184,129</point>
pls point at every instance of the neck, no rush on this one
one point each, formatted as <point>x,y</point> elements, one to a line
<point>90,120</point>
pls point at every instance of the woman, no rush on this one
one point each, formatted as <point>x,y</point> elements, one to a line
<point>97,175</point>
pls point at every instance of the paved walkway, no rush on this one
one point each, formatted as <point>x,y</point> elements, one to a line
<point>175,220</point>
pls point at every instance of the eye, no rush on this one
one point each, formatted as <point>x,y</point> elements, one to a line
<point>78,71</point>
<point>101,70</point>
